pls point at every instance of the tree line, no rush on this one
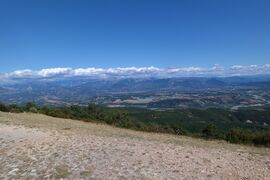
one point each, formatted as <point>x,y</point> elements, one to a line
<point>122,118</point>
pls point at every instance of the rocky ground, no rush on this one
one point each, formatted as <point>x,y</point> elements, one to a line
<point>35,146</point>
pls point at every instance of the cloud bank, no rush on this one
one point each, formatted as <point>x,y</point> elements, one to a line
<point>136,72</point>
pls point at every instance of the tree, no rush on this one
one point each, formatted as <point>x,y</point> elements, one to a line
<point>122,119</point>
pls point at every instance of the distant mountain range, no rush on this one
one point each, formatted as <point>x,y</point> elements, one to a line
<point>82,89</point>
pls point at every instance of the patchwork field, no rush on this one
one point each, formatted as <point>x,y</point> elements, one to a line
<point>34,146</point>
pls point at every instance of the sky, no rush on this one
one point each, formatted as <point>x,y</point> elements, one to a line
<point>38,34</point>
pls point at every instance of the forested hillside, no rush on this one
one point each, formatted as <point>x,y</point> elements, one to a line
<point>248,126</point>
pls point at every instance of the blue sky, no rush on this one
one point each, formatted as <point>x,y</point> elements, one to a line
<point>61,33</point>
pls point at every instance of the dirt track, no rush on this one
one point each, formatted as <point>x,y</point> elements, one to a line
<point>40,147</point>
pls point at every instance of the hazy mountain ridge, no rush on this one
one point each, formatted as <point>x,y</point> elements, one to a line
<point>83,90</point>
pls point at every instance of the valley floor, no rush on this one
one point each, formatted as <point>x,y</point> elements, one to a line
<point>34,146</point>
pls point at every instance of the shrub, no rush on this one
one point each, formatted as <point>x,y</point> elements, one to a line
<point>15,109</point>
<point>262,138</point>
<point>45,110</point>
<point>210,131</point>
<point>29,105</point>
<point>4,108</point>
<point>179,131</point>
<point>33,110</point>
<point>239,136</point>
<point>121,119</point>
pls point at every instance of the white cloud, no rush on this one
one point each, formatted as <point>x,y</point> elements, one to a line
<point>235,67</point>
<point>53,71</point>
<point>21,73</point>
<point>151,71</point>
<point>249,70</point>
<point>87,71</point>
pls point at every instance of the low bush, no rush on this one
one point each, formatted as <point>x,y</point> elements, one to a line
<point>4,108</point>
<point>33,110</point>
<point>262,138</point>
<point>239,136</point>
<point>210,131</point>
